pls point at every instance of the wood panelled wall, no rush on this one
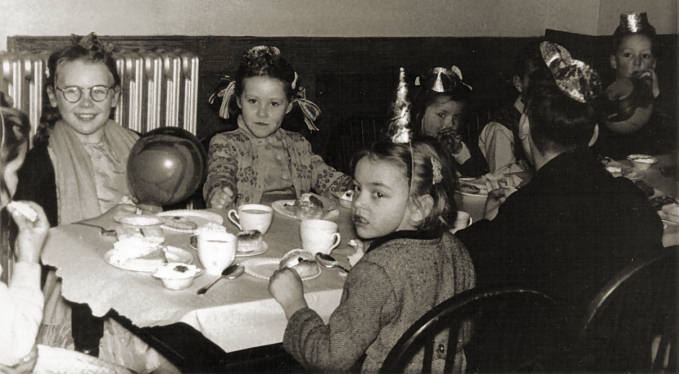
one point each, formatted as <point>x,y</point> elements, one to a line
<point>352,79</point>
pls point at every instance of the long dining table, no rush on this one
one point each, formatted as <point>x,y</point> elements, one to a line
<point>234,314</point>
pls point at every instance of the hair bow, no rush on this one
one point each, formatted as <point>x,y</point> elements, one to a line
<point>573,77</point>
<point>226,94</point>
<point>310,110</point>
<point>443,80</point>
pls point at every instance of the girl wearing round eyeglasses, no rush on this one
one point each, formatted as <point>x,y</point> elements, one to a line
<point>77,170</point>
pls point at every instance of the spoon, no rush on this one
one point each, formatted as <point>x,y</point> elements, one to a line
<point>232,271</point>
<point>102,230</point>
<point>329,262</point>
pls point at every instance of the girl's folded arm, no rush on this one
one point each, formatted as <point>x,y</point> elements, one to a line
<point>325,178</point>
<point>352,327</point>
<point>222,166</point>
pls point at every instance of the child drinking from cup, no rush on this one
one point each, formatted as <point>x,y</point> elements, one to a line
<point>403,203</point>
<point>259,160</point>
<point>637,119</point>
<point>441,111</point>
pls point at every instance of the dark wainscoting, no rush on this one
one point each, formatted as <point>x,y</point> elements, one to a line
<point>352,79</point>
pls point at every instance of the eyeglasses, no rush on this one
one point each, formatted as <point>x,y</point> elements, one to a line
<point>72,94</point>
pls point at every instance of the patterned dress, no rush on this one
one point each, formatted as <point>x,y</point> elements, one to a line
<point>252,166</point>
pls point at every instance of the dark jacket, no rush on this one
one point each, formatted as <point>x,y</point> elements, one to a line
<point>566,232</point>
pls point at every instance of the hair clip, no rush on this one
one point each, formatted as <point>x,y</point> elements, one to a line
<point>437,177</point>
<point>574,78</point>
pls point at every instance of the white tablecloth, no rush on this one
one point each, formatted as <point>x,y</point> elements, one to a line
<point>235,314</point>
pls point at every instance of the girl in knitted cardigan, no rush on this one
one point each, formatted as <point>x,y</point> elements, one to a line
<point>403,203</point>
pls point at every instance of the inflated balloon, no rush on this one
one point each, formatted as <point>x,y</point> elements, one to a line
<point>166,166</point>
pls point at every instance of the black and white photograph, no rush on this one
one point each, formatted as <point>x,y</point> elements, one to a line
<point>339,186</point>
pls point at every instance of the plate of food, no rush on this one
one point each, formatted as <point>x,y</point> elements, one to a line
<point>144,255</point>
<point>188,220</point>
<point>139,220</point>
<point>301,261</point>
<point>642,161</point>
<point>670,212</point>
<point>307,206</point>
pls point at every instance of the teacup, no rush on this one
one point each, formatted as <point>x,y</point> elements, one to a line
<point>216,250</point>
<point>319,235</point>
<point>463,220</point>
<point>252,217</point>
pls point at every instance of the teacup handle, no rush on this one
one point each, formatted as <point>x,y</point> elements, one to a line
<point>234,218</point>
<point>336,241</point>
<point>470,221</point>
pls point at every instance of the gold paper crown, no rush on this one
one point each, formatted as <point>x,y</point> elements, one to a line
<point>399,125</point>
<point>573,77</point>
<point>634,23</point>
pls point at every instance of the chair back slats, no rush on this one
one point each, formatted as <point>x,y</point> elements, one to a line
<point>477,319</point>
<point>631,324</point>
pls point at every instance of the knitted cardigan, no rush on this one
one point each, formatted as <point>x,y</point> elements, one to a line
<point>401,277</point>
<point>234,163</point>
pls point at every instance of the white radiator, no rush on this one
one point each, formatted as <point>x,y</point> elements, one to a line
<point>159,88</point>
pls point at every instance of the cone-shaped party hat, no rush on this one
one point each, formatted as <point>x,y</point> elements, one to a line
<point>398,129</point>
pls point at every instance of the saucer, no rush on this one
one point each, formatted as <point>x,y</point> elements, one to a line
<point>262,248</point>
<point>194,216</point>
<point>263,267</point>
<point>148,265</point>
<point>193,243</point>
<point>287,209</point>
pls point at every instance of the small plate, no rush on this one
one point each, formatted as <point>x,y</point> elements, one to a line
<point>670,212</point>
<point>287,209</point>
<point>149,265</point>
<point>265,247</point>
<point>472,186</point>
<point>263,268</point>
<point>138,220</point>
<point>199,217</point>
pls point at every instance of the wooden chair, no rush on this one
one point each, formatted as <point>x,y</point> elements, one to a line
<point>631,324</point>
<point>508,328</point>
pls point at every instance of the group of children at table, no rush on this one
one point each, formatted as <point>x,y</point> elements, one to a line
<point>403,203</point>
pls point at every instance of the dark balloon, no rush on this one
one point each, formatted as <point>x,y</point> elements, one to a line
<point>166,166</point>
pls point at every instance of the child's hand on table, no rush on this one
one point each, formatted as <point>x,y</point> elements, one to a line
<point>286,287</point>
<point>32,234</point>
<point>221,198</point>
